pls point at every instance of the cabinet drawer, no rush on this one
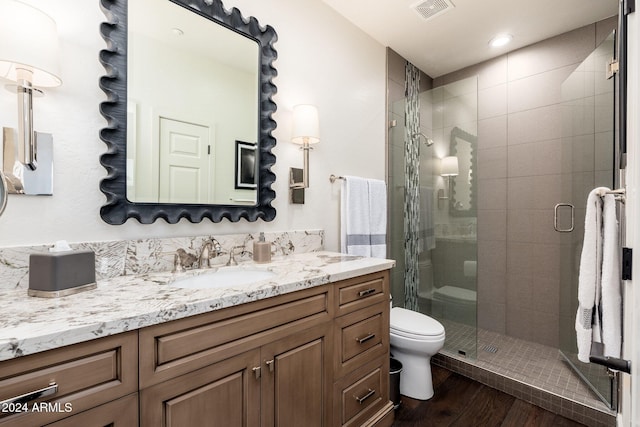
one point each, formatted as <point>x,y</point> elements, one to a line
<point>172,349</point>
<point>119,413</point>
<point>360,337</point>
<point>86,375</point>
<point>354,294</point>
<point>361,394</point>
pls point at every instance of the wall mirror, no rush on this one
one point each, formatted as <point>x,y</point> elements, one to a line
<point>185,80</point>
<point>462,201</point>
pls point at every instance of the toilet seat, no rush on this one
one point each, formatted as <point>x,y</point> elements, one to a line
<point>414,325</point>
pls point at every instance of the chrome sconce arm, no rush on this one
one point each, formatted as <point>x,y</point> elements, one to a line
<point>305,169</point>
<point>26,134</point>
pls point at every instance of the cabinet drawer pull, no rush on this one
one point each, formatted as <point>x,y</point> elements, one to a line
<point>366,292</point>
<point>269,363</point>
<point>365,397</point>
<point>28,397</point>
<point>257,371</point>
<point>365,339</point>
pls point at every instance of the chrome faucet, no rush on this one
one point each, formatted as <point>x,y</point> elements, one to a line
<point>210,249</point>
<point>232,259</point>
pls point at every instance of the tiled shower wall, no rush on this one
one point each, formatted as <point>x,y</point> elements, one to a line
<point>519,181</point>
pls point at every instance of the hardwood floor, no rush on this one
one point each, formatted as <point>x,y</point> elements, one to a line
<point>460,401</point>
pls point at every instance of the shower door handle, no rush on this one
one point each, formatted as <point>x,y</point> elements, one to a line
<point>555,218</point>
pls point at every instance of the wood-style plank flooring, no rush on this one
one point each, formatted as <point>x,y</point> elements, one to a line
<point>462,402</point>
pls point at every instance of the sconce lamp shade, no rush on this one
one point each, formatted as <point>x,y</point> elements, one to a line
<point>449,166</point>
<point>306,127</point>
<point>28,41</point>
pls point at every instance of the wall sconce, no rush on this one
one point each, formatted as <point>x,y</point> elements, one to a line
<point>448,168</point>
<point>29,58</point>
<point>306,131</point>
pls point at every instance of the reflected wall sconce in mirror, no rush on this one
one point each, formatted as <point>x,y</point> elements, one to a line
<point>448,168</point>
<point>29,59</point>
<point>306,131</point>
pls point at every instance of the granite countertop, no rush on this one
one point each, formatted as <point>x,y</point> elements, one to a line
<point>29,325</point>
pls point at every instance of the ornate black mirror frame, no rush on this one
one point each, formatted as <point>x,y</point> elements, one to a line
<point>457,133</point>
<point>114,59</point>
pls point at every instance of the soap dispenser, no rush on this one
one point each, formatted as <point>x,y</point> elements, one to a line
<point>261,250</point>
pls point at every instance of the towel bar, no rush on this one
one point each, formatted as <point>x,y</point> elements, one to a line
<point>619,195</point>
<point>333,178</point>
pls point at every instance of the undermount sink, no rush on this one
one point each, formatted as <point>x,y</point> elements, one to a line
<point>224,277</point>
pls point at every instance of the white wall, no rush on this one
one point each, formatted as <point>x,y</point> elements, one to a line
<point>322,59</point>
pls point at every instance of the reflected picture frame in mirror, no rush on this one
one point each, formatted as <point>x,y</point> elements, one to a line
<point>245,165</point>
<point>118,208</point>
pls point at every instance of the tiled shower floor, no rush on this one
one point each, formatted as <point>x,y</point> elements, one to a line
<point>531,371</point>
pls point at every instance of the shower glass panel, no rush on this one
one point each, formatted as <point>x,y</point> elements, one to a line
<point>447,204</point>
<point>448,215</point>
<point>396,199</point>
<point>588,144</point>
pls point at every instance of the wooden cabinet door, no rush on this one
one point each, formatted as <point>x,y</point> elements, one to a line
<point>225,394</point>
<point>296,377</point>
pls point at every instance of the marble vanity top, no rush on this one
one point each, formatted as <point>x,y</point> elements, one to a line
<point>29,325</point>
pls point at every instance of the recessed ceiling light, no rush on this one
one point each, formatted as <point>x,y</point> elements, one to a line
<point>500,40</point>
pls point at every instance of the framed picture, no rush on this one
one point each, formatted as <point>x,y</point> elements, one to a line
<point>245,165</point>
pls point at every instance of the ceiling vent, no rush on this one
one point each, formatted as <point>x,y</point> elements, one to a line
<point>429,9</point>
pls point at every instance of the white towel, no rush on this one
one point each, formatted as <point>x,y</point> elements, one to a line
<point>611,300</point>
<point>589,275</point>
<point>354,216</point>
<point>363,217</point>
<point>378,217</point>
<point>599,317</point>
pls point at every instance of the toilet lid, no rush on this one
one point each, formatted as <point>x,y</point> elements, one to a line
<point>414,323</point>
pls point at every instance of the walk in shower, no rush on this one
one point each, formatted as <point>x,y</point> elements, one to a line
<point>512,138</point>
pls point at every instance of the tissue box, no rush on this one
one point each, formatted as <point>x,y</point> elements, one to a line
<point>57,274</point>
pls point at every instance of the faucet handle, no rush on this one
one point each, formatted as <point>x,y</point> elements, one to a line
<point>232,252</point>
<point>216,247</point>
<point>177,264</point>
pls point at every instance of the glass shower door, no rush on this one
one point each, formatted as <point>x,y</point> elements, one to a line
<point>447,262</point>
<point>588,144</point>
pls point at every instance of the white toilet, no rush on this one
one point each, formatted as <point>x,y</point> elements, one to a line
<point>415,337</point>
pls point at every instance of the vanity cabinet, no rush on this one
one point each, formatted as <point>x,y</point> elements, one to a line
<point>264,363</point>
<point>314,357</point>
<point>71,380</point>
